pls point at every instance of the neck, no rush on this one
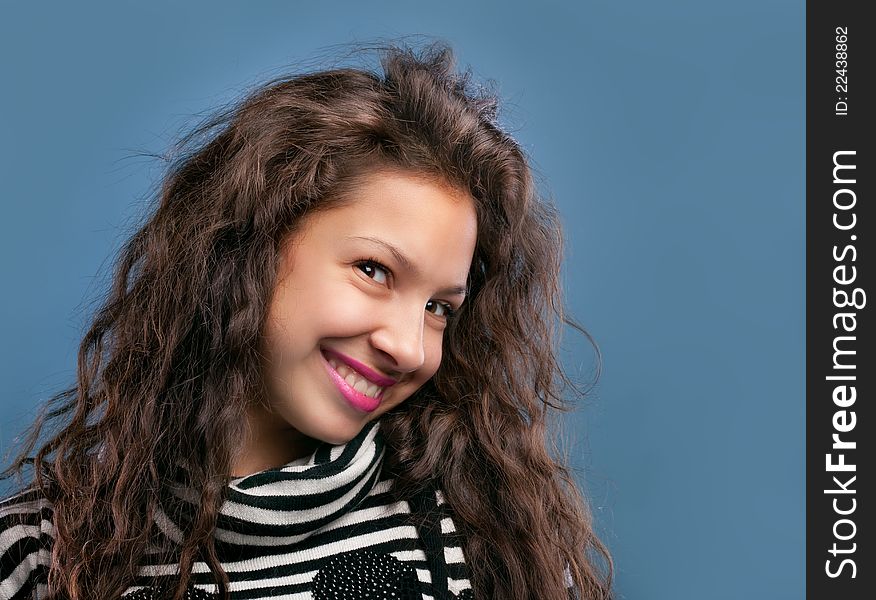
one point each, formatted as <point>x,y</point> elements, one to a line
<point>267,445</point>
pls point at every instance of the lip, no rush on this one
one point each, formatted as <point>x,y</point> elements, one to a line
<point>356,399</point>
<point>364,371</point>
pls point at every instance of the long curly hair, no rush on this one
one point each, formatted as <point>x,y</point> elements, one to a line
<point>171,360</point>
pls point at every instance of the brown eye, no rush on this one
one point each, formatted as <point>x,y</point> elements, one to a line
<point>440,309</point>
<point>374,270</point>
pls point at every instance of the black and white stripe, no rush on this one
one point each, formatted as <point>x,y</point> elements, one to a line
<point>294,532</point>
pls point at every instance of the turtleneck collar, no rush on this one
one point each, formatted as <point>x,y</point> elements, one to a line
<point>285,505</point>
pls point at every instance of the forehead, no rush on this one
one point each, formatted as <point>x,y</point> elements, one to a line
<point>409,193</point>
<point>430,221</point>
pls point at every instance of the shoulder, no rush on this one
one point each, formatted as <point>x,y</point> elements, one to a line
<point>26,534</point>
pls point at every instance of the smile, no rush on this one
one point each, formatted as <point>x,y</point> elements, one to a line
<point>359,389</point>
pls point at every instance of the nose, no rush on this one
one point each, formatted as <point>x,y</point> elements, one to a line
<point>400,336</point>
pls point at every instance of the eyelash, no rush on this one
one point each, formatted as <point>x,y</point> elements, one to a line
<point>450,312</point>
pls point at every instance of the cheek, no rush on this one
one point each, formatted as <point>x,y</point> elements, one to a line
<point>277,346</point>
<point>328,313</point>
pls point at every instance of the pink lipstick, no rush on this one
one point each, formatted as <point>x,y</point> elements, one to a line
<point>366,372</point>
<point>353,396</point>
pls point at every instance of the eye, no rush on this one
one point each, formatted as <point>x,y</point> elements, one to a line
<point>440,309</point>
<point>374,270</point>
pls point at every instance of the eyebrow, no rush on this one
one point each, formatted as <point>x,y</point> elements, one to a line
<point>459,290</point>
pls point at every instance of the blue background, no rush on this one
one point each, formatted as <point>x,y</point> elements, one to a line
<point>670,134</point>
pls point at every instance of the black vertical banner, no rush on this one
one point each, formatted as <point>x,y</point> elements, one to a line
<point>840,362</point>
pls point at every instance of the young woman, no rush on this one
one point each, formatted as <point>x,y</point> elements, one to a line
<point>324,370</point>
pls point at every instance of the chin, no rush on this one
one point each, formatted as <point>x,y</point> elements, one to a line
<point>340,435</point>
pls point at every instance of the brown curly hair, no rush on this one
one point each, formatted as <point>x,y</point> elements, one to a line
<point>169,364</point>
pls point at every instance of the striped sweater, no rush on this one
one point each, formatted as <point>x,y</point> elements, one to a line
<point>323,527</point>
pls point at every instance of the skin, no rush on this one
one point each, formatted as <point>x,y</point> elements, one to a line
<point>341,288</point>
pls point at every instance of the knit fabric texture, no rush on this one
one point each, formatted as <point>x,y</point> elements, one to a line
<point>322,527</point>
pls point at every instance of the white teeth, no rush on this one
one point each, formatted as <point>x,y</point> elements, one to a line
<point>354,380</point>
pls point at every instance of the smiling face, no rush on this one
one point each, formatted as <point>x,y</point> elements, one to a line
<point>356,322</point>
